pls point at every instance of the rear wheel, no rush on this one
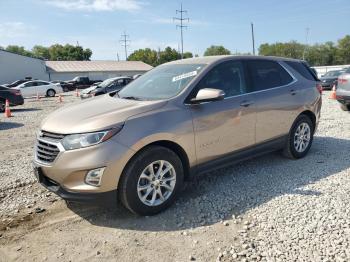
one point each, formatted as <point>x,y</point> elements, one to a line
<point>50,93</point>
<point>300,138</point>
<point>345,107</point>
<point>151,181</point>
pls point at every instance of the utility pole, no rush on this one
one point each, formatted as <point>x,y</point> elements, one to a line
<point>253,41</point>
<point>125,41</point>
<point>306,41</point>
<point>181,19</point>
<point>118,56</point>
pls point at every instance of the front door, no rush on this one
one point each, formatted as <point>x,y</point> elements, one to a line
<point>222,127</point>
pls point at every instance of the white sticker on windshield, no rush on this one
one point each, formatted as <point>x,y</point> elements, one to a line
<point>183,76</point>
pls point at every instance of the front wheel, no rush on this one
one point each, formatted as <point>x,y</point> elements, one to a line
<point>300,138</point>
<point>151,181</point>
<point>50,93</point>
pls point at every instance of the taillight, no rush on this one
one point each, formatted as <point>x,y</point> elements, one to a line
<point>342,80</point>
<point>319,88</point>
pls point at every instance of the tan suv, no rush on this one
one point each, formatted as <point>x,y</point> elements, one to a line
<point>181,118</point>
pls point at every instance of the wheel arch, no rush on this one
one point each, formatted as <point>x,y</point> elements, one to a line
<point>176,148</point>
<point>310,115</point>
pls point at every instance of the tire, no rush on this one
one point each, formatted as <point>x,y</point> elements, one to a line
<point>293,149</point>
<point>2,106</point>
<point>345,107</point>
<point>131,182</point>
<point>50,93</point>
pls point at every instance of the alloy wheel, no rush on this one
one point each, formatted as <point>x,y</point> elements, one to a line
<point>302,137</point>
<point>156,183</point>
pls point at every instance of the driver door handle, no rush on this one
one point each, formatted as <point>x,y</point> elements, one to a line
<point>246,103</point>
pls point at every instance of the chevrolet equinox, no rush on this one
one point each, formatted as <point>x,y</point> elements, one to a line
<point>175,121</point>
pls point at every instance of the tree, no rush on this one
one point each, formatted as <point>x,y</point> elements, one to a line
<point>41,52</point>
<point>69,53</point>
<point>343,51</point>
<point>18,50</point>
<point>216,50</point>
<point>146,55</point>
<point>154,58</point>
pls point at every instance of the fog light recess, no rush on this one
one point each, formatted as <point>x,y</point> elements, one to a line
<point>94,177</point>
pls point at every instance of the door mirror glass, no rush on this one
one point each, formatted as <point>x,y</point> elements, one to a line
<point>208,95</point>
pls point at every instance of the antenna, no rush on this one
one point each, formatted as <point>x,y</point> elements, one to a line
<point>125,41</point>
<point>181,19</point>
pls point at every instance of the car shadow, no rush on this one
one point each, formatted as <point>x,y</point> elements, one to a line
<point>9,125</point>
<point>25,109</point>
<point>233,190</point>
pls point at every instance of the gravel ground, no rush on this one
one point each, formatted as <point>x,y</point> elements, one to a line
<point>265,209</point>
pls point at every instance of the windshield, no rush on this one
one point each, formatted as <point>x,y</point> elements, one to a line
<point>162,82</point>
<point>105,83</point>
<point>333,73</point>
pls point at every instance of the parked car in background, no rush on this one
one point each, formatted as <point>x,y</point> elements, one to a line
<point>81,82</point>
<point>13,95</point>
<point>330,79</point>
<point>66,87</point>
<point>136,76</point>
<point>181,118</point>
<point>343,91</point>
<point>18,82</point>
<point>42,88</point>
<point>108,86</point>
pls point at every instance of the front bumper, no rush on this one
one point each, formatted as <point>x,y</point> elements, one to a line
<point>69,168</point>
<point>109,197</point>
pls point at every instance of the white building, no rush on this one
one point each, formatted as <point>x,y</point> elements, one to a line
<point>95,70</point>
<point>14,67</point>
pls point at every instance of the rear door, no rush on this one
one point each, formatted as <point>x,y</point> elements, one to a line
<point>276,98</point>
<point>42,87</point>
<point>228,125</point>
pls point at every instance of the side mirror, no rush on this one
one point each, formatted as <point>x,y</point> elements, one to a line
<point>208,95</point>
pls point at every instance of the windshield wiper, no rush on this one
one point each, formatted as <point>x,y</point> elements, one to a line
<point>131,98</point>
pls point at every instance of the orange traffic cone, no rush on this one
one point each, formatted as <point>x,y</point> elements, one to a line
<point>333,93</point>
<point>7,109</point>
<point>37,97</point>
<point>60,99</point>
<point>76,92</point>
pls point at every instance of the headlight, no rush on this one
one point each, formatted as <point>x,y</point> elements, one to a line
<point>89,139</point>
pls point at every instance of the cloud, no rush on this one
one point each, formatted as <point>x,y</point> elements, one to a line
<point>168,21</point>
<point>97,5</point>
<point>13,30</point>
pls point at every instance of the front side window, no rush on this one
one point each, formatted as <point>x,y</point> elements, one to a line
<point>29,84</point>
<point>266,74</point>
<point>227,76</point>
<point>162,82</point>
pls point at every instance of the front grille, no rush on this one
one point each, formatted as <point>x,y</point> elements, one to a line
<point>46,152</point>
<point>51,136</point>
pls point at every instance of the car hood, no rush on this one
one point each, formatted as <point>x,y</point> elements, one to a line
<point>88,90</point>
<point>97,114</point>
<point>329,78</point>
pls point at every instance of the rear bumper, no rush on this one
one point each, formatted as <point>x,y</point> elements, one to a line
<point>108,198</point>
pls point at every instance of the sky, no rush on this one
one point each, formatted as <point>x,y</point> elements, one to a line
<point>99,24</point>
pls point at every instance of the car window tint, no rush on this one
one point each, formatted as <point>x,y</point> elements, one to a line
<point>29,84</point>
<point>301,69</point>
<point>267,74</point>
<point>228,76</point>
<point>42,83</point>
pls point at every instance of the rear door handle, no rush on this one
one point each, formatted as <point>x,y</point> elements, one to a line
<point>246,103</point>
<point>293,92</point>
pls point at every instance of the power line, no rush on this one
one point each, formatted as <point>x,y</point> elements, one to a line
<point>125,41</point>
<point>181,19</point>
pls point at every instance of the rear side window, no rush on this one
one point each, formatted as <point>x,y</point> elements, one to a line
<point>267,74</point>
<point>301,69</point>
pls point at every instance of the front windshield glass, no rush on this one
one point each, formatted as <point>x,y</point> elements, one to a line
<point>333,73</point>
<point>105,83</point>
<point>162,82</point>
